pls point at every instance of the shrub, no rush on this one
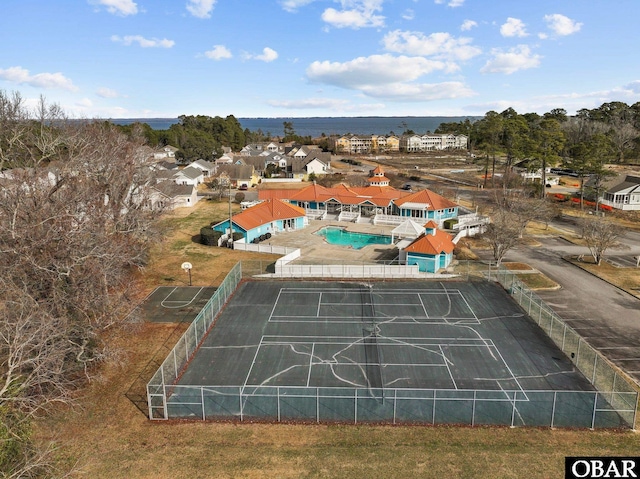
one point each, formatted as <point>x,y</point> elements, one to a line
<point>209,236</point>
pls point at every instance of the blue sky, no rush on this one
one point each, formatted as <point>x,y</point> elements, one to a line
<point>297,58</point>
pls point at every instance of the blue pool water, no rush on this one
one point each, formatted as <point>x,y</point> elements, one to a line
<point>342,237</point>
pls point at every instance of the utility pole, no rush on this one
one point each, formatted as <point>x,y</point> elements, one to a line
<point>230,240</point>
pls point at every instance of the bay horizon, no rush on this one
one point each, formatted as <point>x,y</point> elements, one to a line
<point>318,126</point>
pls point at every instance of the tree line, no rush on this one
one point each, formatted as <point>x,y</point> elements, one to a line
<point>584,143</point>
<point>74,229</point>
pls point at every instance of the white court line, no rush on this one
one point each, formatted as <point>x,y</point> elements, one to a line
<point>275,303</point>
<point>346,319</point>
<point>182,303</point>
<point>510,371</point>
<point>439,339</point>
<point>319,304</point>
<point>392,342</point>
<point>469,306</point>
<point>446,362</point>
<point>313,347</point>
<point>356,291</point>
<point>423,308</point>
<point>252,364</point>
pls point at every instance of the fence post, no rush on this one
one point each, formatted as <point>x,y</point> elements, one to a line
<point>595,405</point>
<point>395,399</point>
<point>278,401</point>
<point>240,397</point>
<point>317,404</point>
<point>553,409</point>
<point>513,409</point>
<point>175,364</point>
<point>595,365</point>
<point>433,412</point>
<point>202,399</point>
<point>473,410</point>
<point>355,410</point>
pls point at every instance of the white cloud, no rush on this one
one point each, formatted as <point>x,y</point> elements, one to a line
<point>312,103</point>
<point>143,42</point>
<point>118,7</point>
<point>514,27</point>
<point>468,25</point>
<point>268,55</point>
<point>326,103</point>
<point>84,103</point>
<point>107,93</point>
<point>439,45</point>
<point>355,14</point>
<point>451,3</point>
<point>375,69</point>
<point>387,77</point>
<point>410,92</point>
<point>21,75</point>
<point>219,52</point>
<point>409,14</point>
<point>293,5</point>
<point>561,25</point>
<point>517,58</point>
<point>201,8</point>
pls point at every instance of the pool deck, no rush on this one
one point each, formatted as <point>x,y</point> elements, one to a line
<point>316,250</point>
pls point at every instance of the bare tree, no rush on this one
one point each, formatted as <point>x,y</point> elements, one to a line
<point>71,235</point>
<point>600,235</point>
<point>503,233</point>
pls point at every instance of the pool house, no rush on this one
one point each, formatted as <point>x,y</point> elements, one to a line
<point>264,219</point>
<point>431,251</point>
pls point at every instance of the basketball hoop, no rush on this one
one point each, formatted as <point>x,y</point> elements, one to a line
<point>187,267</point>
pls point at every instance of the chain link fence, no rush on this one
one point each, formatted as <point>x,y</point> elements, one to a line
<point>622,394</point>
<point>613,404</point>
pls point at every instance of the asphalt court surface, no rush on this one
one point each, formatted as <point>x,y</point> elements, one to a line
<point>171,304</point>
<point>426,335</point>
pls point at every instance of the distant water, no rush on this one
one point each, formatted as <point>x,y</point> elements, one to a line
<point>316,126</point>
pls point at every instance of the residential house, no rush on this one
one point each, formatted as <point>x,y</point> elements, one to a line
<point>208,168</point>
<point>625,195</point>
<point>271,216</point>
<point>189,176</point>
<point>170,195</point>
<point>165,152</point>
<point>238,175</point>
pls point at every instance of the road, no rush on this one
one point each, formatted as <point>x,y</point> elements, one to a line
<point>605,316</point>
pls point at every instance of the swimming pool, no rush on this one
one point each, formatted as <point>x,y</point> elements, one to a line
<point>342,237</point>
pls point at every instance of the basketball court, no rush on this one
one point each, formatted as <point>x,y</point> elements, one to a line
<point>172,304</point>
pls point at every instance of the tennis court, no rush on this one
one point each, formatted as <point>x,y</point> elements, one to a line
<point>434,352</point>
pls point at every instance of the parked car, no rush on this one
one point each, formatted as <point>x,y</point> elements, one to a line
<point>243,187</point>
<point>406,187</point>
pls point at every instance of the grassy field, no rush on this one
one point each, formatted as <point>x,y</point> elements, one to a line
<point>107,436</point>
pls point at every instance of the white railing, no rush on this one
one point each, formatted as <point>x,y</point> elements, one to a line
<point>349,216</point>
<point>389,219</point>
